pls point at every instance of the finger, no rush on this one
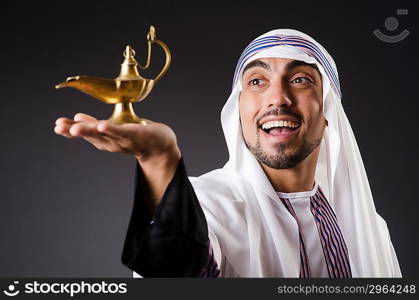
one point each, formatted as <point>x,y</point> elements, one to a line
<point>88,131</point>
<point>63,121</point>
<point>115,131</point>
<point>80,117</point>
<point>84,129</point>
<point>63,130</point>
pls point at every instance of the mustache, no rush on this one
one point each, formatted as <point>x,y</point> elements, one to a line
<point>279,112</point>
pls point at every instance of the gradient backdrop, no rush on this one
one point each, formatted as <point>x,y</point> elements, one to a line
<point>65,206</point>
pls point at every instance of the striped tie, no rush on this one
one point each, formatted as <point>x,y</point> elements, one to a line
<point>334,247</point>
<point>331,238</point>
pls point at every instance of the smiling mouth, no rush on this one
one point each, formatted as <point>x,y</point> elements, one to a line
<point>280,127</point>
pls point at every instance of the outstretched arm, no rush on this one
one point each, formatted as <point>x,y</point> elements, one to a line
<point>167,234</point>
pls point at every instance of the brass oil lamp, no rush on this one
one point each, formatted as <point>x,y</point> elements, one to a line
<point>127,88</point>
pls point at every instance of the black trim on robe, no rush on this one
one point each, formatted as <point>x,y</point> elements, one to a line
<point>172,243</point>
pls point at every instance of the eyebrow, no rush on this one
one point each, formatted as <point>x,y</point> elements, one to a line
<point>297,63</point>
<point>257,63</point>
<point>289,66</point>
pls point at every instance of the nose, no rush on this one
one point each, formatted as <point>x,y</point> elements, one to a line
<point>278,95</point>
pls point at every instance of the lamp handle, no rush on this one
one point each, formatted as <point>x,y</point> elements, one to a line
<point>151,38</point>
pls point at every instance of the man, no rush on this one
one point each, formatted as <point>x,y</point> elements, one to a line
<point>292,201</point>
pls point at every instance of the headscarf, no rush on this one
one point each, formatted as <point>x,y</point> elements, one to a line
<point>249,240</point>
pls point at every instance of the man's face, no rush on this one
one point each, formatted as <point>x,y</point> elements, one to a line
<point>281,111</point>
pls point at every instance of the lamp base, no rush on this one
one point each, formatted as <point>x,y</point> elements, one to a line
<point>124,113</point>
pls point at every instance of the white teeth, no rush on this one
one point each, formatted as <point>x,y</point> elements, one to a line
<point>271,124</point>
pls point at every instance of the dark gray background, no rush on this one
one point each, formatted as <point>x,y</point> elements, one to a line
<point>65,206</point>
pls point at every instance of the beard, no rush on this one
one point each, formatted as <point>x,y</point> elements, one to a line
<point>285,157</point>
